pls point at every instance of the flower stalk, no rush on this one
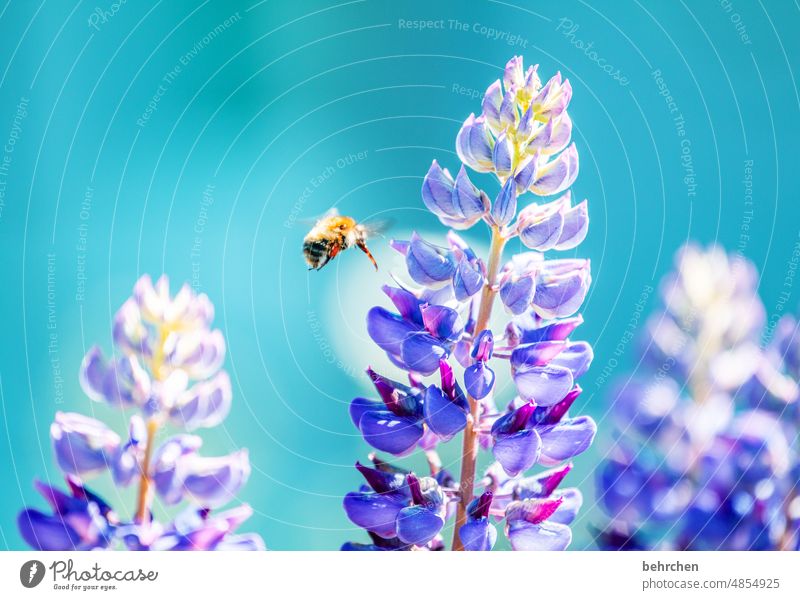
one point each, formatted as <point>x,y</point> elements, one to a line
<point>469,447</point>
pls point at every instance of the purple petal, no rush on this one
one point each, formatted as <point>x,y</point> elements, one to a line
<point>553,136</point>
<point>568,509</point>
<point>467,280</point>
<point>251,542</point>
<point>517,293</point>
<point>42,532</point>
<point>214,481</point>
<point>479,380</point>
<point>517,452</point>
<point>83,446</point>
<point>165,466</point>
<point>474,144</point>
<point>407,304</point>
<point>388,432</point>
<point>422,353</point>
<point>508,110</point>
<point>543,484</point>
<point>478,535</point>
<point>358,406</point>
<point>437,191</point>
<point>388,330</point>
<point>426,264</point>
<point>576,224</point>
<point>536,354</point>
<point>444,417</point>
<point>532,510</point>
<point>577,357</point>
<point>505,205</point>
<point>468,200</point>
<point>382,481</point>
<point>540,227</point>
<point>559,294</point>
<point>374,512</point>
<point>545,385</point>
<point>557,175</point>
<point>550,415</point>
<point>418,525</point>
<point>441,322</point>
<point>530,331</point>
<point>205,404</point>
<point>484,345</point>
<point>544,536</point>
<point>566,439</point>
<point>490,105</point>
<point>513,76</point>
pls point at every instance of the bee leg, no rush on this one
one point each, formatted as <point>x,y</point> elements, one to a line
<point>363,247</point>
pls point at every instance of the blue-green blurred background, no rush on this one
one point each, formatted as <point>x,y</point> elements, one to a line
<point>135,141</point>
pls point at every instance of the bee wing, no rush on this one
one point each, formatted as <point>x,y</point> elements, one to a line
<point>331,212</point>
<point>377,226</point>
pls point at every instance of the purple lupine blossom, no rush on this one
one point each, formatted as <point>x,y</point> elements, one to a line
<point>440,332</point>
<point>706,456</point>
<point>168,370</point>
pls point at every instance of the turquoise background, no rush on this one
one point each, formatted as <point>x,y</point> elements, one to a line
<point>297,106</point>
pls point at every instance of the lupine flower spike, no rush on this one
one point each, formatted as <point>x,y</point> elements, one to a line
<point>706,456</point>
<point>441,333</point>
<point>166,370</point>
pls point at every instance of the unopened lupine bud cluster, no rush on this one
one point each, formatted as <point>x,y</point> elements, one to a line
<point>523,138</point>
<point>166,370</point>
<point>707,454</point>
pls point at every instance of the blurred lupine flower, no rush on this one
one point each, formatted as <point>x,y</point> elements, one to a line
<point>80,520</point>
<point>443,321</point>
<point>169,371</point>
<point>706,456</point>
<point>195,529</point>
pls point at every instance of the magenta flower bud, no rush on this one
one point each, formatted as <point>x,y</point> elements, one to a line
<point>474,144</point>
<point>528,527</point>
<point>478,533</point>
<point>484,346</point>
<point>516,445</point>
<point>83,446</point>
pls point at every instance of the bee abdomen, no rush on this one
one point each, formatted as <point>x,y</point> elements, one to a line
<point>316,252</point>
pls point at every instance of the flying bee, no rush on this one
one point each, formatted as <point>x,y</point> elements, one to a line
<point>333,233</point>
